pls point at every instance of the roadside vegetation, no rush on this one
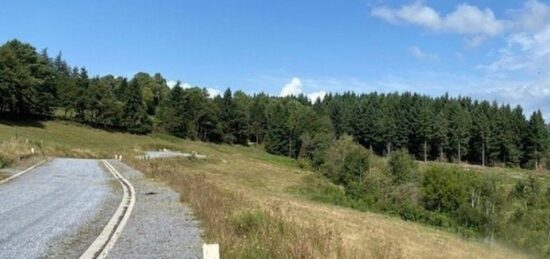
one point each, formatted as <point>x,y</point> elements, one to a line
<point>270,198</point>
<point>475,203</point>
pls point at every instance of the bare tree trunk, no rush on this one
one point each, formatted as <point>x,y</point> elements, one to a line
<point>388,147</point>
<point>370,154</point>
<point>440,153</point>
<point>459,151</point>
<point>483,153</point>
<point>289,147</point>
<point>425,151</point>
<point>536,160</point>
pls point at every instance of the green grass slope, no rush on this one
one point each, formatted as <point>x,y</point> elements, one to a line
<point>254,194</point>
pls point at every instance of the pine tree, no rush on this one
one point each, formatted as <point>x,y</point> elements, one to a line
<point>459,128</point>
<point>386,124</point>
<point>134,116</point>
<point>258,117</point>
<point>171,112</point>
<point>233,119</point>
<point>440,130</point>
<point>81,101</point>
<point>424,128</point>
<point>481,131</point>
<point>537,138</point>
<point>276,141</point>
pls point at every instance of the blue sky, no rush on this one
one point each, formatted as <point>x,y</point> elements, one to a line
<point>496,50</point>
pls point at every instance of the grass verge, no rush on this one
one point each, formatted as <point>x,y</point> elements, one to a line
<point>244,229</point>
<point>247,200</point>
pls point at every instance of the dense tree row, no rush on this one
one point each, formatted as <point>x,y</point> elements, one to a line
<point>442,128</point>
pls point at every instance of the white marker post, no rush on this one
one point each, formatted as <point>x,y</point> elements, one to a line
<point>211,251</point>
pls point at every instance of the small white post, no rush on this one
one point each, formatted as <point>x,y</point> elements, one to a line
<point>211,251</point>
<point>32,150</point>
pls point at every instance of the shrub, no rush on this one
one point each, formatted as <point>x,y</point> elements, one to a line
<point>318,188</point>
<point>403,168</point>
<point>346,161</point>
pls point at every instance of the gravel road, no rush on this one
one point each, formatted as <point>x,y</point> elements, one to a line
<point>169,153</point>
<point>56,210</point>
<point>160,225</point>
<point>164,154</point>
<point>59,208</point>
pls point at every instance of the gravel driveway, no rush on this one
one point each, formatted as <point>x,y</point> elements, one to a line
<point>59,208</point>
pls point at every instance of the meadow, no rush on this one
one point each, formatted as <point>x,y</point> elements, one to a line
<point>256,204</point>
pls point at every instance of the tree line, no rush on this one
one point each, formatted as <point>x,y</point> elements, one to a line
<point>443,128</point>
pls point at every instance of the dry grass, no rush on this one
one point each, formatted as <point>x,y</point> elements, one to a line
<point>264,186</point>
<point>242,196</point>
<point>243,229</point>
<point>15,150</point>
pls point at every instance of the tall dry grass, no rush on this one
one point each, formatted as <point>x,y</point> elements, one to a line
<point>242,228</point>
<point>14,150</point>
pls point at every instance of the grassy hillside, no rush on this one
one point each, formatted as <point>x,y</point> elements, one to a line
<point>248,200</point>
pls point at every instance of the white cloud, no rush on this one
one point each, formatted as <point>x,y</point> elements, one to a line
<point>533,16</point>
<point>213,92</point>
<point>421,55</point>
<point>465,19</point>
<point>316,95</point>
<point>531,95</point>
<point>172,83</point>
<point>528,45</point>
<point>294,87</point>
<point>415,13</point>
<point>468,19</point>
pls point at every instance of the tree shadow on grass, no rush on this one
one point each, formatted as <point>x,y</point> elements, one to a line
<point>21,122</point>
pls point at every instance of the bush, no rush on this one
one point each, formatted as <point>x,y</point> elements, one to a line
<point>346,161</point>
<point>304,163</point>
<point>403,168</point>
<point>320,189</point>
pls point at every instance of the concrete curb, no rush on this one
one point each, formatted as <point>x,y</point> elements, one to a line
<point>22,172</point>
<point>103,244</point>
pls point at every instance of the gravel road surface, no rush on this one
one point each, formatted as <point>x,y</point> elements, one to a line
<point>164,154</point>
<point>169,153</point>
<point>58,209</point>
<point>55,210</point>
<point>160,225</point>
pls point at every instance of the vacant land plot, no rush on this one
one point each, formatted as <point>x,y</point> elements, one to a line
<point>252,192</point>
